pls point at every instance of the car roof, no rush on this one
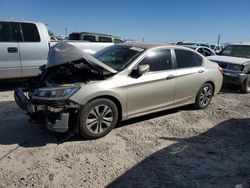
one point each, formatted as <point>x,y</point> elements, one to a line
<point>196,47</point>
<point>146,45</point>
<point>193,46</point>
<point>22,21</point>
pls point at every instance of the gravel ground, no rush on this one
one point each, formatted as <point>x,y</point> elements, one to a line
<point>176,148</point>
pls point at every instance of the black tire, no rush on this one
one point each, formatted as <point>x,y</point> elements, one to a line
<point>204,96</point>
<point>102,115</point>
<point>245,88</point>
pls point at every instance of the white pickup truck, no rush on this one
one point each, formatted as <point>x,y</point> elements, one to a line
<point>24,47</point>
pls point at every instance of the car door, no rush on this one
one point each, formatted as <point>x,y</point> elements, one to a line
<point>10,66</point>
<point>153,90</point>
<point>34,49</point>
<point>189,75</point>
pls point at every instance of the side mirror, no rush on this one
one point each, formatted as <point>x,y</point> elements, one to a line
<point>142,69</point>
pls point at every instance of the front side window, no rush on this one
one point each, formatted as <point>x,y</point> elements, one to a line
<point>158,60</point>
<point>6,34</point>
<point>187,59</point>
<point>105,39</point>
<point>30,32</point>
<point>118,57</point>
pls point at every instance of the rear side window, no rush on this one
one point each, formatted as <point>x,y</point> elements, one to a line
<point>6,34</point>
<point>89,38</point>
<point>199,59</point>
<point>187,59</point>
<point>30,32</point>
<point>158,60</point>
<point>105,39</point>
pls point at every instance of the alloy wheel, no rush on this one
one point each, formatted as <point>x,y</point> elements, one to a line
<point>99,119</point>
<point>205,96</point>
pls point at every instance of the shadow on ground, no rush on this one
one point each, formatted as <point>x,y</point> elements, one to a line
<point>10,85</point>
<point>15,128</point>
<point>216,158</point>
<point>227,88</point>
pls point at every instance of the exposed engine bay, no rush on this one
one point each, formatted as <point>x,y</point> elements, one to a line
<point>46,99</point>
<point>76,72</point>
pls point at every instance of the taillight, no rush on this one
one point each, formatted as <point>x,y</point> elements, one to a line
<point>221,70</point>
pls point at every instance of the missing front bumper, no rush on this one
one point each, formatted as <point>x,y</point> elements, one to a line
<point>53,118</point>
<point>61,125</point>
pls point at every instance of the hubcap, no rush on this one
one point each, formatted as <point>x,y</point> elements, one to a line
<point>205,96</point>
<point>99,119</point>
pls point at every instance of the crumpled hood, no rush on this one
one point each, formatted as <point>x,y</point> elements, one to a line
<point>62,53</point>
<point>228,59</point>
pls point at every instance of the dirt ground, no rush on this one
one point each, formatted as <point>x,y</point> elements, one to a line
<point>175,148</point>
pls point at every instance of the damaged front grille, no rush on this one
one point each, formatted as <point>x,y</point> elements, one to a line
<point>55,104</point>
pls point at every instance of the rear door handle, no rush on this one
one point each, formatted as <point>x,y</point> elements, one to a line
<point>12,50</point>
<point>170,77</point>
<point>200,71</point>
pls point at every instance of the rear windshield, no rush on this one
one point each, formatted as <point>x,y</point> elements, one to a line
<point>74,36</point>
<point>236,51</point>
<point>118,57</point>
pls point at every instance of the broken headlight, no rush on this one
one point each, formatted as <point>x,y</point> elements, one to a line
<point>55,93</point>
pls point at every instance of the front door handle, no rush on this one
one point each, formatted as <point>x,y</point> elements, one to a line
<point>170,77</point>
<point>200,71</point>
<point>12,50</point>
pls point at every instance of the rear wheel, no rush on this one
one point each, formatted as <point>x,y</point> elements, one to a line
<point>245,88</point>
<point>97,118</point>
<point>204,96</point>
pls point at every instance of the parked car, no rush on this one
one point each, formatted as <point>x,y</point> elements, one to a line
<point>194,44</point>
<point>118,83</point>
<point>235,61</point>
<point>202,50</point>
<point>217,47</point>
<point>24,47</point>
<point>94,37</point>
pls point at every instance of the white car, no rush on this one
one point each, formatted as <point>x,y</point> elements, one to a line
<point>202,50</point>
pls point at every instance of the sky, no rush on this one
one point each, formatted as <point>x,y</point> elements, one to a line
<point>151,20</point>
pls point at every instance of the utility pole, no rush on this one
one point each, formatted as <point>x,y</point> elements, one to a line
<point>218,42</point>
<point>66,32</point>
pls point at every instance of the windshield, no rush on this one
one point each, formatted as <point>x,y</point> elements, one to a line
<point>236,51</point>
<point>118,56</point>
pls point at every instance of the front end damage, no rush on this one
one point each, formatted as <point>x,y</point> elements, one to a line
<point>47,98</point>
<point>56,115</point>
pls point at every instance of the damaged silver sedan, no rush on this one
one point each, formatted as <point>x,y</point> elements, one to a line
<point>89,94</point>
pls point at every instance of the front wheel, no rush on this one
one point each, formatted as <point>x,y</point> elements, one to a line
<point>246,85</point>
<point>97,118</point>
<point>204,96</point>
